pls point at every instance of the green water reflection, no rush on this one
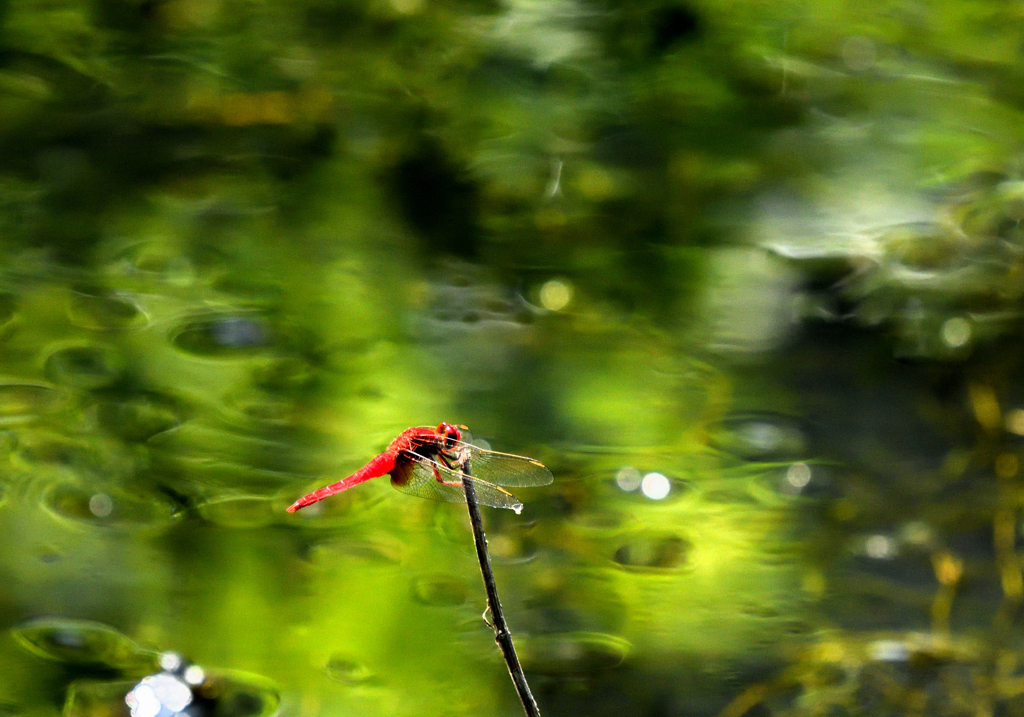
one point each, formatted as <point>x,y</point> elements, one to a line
<point>747,277</point>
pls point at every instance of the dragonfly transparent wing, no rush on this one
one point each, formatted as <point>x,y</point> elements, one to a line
<point>505,468</point>
<point>419,477</point>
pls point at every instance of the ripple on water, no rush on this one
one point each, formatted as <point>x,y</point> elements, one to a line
<point>91,698</point>
<point>923,247</point>
<point>761,436</point>
<point>8,312</point>
<point>380,549</point>
<point>153,262</point>
<point>141,416</point>
<point>512,547</point>
<point>85,366</point>
<point>24,402</point>
<point>472,322</point>
<point>79,642</point>
<point>241,511</point>
<point>45,447</point>
<point>440,590</point>
<point>572,653</point>
<point>103,310</point>
<point>251,292</point>
<point>798,479</point>
<point>597,522</point>
<point>254,406</point>
<point>223,336</point>
<point>284,374</point>
<point>214,457</point>
<point>110,509</point>
<point>467,300</point>
<point>240,694</point>
<point>348,671</point>
<point>652,551</point>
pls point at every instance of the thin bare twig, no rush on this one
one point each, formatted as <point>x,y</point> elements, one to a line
<point>501,633</point>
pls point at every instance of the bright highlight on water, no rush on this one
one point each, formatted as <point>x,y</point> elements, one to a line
<point>655,486</point>
<point>555,295</point>
<point>798,475</point>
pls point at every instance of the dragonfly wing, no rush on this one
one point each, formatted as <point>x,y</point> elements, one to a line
<point>492,495</point>
<point>419,477</point>
<point>505,468</point>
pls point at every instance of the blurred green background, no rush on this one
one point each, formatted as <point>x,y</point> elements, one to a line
<point>746,276</point>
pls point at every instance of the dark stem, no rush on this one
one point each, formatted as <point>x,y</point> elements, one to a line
<point>501,634</point>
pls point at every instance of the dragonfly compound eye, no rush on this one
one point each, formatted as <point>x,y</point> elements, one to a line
<point>450,434</point>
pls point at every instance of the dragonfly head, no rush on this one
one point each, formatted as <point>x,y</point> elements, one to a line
<point>449,433</point>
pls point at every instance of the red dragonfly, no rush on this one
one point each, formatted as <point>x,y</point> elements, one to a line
<point>426,462</point>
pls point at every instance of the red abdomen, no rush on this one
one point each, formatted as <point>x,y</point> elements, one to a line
<point>379,466</point>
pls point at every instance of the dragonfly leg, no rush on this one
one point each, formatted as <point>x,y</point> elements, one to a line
<point>448,464</point>
<point>487,618</point>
